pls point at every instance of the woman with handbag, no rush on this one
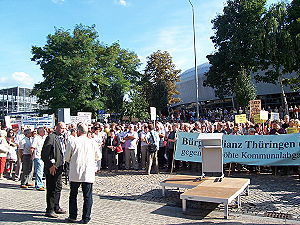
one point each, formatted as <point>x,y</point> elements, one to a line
<point>111,145</point>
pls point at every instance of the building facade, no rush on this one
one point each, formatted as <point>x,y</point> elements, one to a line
<point>17,101</point>
<point>270,94</point>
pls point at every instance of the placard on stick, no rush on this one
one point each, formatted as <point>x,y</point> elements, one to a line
<point>257,119</point>
<point>240,118</point>
<point>274,116</point>
<point>255,107</point>
<point>263,115</point>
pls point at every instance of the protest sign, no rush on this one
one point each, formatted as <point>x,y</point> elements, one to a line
<point>85,117</point>
<point>292,130</point>
<point>34,121</point>
<point>263,115</point>
<point>257,119</point>
<point>255,107</point>
<point>152,113</point>
<point>240,118</point>
<point>274,116</point>
<point>258,150</point>
<point>7,121</point>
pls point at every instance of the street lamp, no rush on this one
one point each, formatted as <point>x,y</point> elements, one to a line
<point>195,58</point>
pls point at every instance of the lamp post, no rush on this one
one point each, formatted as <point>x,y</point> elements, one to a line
<point>195,58</point>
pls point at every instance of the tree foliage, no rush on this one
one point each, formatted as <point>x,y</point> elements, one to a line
<point>238,40</point>
<point>136,106</point>
<point>159,80</point>
<point>294,29</point>
<point>82,74</point>
<point>278,55</point>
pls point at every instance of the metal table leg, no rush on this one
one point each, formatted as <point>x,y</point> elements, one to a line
<point>226,211</point>
<point>183,205</point>
<point>163,191</point>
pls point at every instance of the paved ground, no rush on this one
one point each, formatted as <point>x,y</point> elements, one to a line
<point>129,197</point>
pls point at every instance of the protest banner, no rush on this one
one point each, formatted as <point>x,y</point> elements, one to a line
<point>255,107</point>
<point>261,150</point>
<point>82,117</point>
<point>34,121</point>
<point>85,117</point>
<point>240,118</point>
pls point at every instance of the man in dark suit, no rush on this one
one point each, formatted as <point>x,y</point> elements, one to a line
<point>53,157</point>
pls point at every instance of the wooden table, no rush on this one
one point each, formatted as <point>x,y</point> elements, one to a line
<point>208,189</point>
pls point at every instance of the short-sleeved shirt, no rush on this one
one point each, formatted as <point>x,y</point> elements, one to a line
<point>26,145</point>
<point>37,144</point>
<point>131,143</point>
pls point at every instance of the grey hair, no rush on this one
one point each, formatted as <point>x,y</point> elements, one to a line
<point>27,131</point>
<point>82,128</point>
<point>40,129</point>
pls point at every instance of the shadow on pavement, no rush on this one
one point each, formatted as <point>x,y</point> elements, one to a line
<point>190,214</point>
<point>12,186</point>
<point>13,215</point>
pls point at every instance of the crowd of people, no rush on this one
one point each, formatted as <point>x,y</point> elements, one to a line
<point>148,147</point>
<point>122,145</point>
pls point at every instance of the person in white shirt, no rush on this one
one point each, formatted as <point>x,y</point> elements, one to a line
<point>36,148</point>
<point>26,156</point>
<point>19,137</point>
<point>81,154</point>
<point>131,139</point>
<point>98,138</point>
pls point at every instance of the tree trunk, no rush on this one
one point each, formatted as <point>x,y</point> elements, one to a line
<point>283,97</point>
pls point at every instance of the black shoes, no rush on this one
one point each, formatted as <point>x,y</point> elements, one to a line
<point>70,220</point>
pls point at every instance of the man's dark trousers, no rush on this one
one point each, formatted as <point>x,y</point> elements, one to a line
<point>53,187</point>
<point>87,189</point>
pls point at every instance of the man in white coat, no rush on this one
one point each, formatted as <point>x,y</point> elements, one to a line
<point>81,154</point>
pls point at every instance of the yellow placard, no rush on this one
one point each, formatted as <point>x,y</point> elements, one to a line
<point>257,119</point>
<point>292,130</point>
<point>240,118</point>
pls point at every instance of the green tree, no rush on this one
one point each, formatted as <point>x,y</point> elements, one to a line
<point>136,106</point>
<point>159,80</point>
<point>294,29</point>
<point>82,74</point>
<point>237,39</point>
<point>278,55</point>
<point>119,67</point>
